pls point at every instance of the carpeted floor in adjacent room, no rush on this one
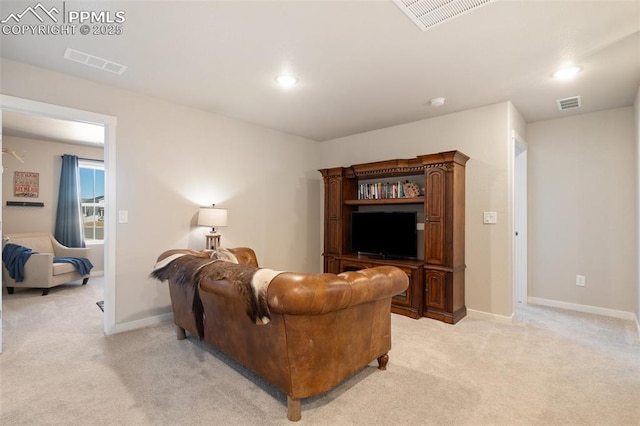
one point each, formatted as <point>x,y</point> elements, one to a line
<point>551,367</point>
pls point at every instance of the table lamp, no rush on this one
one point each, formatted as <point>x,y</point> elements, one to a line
<point>214,218</point>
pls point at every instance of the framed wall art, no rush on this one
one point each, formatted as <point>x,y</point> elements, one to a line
<point>26,184</point>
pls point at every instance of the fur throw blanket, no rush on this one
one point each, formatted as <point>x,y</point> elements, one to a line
<point>189,269</point>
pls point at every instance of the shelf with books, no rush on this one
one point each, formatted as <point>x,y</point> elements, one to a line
<point>382,201</point>
<point>378,190</point>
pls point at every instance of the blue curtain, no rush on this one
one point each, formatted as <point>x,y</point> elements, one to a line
<point>69,227</point>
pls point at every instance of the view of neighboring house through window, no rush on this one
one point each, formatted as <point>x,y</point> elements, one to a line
<point>92,199</point>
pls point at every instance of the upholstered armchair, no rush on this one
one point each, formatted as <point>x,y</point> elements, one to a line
<point>39,270</point>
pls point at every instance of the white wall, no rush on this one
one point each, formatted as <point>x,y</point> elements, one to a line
<point>484,134</point>
<point>582,209</point>
<point>172,159</point>
<point>41,157</point>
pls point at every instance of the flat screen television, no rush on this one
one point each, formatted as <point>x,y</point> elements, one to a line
<point>389,235</point>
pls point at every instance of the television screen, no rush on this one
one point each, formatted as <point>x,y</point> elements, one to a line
<point>385,234</point>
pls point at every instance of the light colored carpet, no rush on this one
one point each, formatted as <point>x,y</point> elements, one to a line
<point>550,368</point>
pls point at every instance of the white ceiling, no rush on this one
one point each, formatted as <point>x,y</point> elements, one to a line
<point>362,65</point>
<point>37,127</point>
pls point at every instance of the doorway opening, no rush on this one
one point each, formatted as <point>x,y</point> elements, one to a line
<point>108,125</point>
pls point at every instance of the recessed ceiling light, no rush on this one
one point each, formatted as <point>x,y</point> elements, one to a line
<point>437,102</point>
<point>567,73</point>
<point>286,81</point>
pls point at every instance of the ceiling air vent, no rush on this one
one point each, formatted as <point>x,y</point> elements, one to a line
<point>569,103</point>
<point>429,13</point>
<point>94,61</point>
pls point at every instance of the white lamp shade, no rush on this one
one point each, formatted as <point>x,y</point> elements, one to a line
<point>209,216</point>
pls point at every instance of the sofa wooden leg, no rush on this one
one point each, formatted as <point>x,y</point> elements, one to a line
<point>293,409</point>
<point>45,291</point>
<point>10,290</point>
<point>382,361</point>
<point>84,281</point>
<point>180,333</point>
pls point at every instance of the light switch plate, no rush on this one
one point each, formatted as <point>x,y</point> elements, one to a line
<point>490,218</point>
<point>123,216</point>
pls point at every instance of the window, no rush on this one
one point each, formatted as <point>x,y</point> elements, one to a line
<point>92,199</point>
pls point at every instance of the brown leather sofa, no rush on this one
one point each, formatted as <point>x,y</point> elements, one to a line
<point>324,327</point>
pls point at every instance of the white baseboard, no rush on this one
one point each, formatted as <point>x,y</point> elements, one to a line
<point>471,313</point>
<point>96,274</point>
<point>629,316</point>
<point>145,322</point>
<point>584,308</point>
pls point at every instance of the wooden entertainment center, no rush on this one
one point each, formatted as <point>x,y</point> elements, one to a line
<point>436,278</point>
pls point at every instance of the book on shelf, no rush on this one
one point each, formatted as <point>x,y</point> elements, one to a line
<point>381,190</point>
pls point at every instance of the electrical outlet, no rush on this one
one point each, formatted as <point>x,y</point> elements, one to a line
<point>580,280</point>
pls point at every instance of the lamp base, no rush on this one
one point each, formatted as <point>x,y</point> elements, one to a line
<point>212,241</point>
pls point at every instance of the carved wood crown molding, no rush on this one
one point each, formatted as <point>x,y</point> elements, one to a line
<point>353,171</point>
<point>388,171</point>
<point>332,176</point>
<point>448,166</point>
<point>332,173</point>
<point>399,167</point>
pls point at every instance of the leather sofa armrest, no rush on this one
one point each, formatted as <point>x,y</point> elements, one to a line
<point>245,256</point>
<point>376,283</point>
<point>302,294</point>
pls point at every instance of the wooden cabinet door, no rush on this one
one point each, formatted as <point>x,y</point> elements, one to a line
<point>434,222</point>
<point>334,200</point>
<point>405,298</point>
<point>333,222</point>
<point>333,232</point>
<point>435,290</point>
